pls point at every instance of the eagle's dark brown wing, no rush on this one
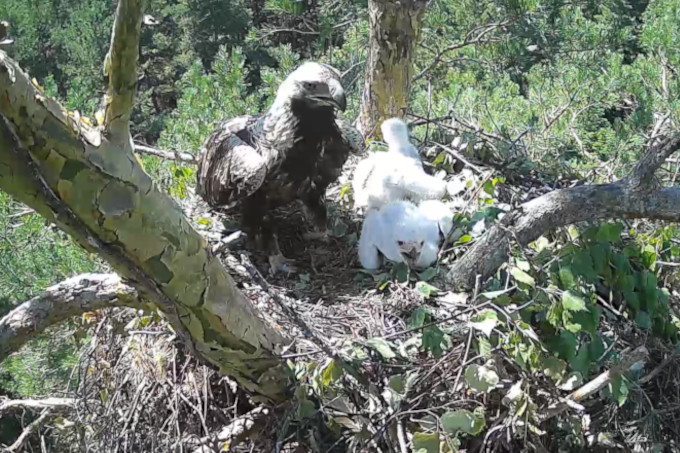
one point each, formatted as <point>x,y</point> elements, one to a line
<point>354,139</point>
<point>230,167</point>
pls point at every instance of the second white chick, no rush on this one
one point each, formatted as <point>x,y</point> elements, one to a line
<point>404,233</point>
<point>394,175</point>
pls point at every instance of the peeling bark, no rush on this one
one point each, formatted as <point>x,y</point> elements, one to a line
<point>631,198</point>
<point>120,65</point>
<point>394,30</point>
<point>69,298</point>
<point>91,185</point>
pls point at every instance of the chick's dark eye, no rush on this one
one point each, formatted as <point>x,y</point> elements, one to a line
<point>308,85</point>
<point>422,243</point>
<point>400,242</point>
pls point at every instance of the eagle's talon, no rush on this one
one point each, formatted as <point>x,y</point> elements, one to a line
<point>279,263</point>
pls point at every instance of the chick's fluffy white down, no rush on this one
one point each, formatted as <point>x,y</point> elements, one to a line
<point>397,174</point>
<point>404,222</point>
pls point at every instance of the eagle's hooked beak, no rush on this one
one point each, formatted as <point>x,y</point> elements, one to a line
<point>338,94</point>
<point>335,97</point>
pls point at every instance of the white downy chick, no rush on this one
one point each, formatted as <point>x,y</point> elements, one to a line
<point>437,211</point>
<point>401,232</point>
<point>394,175</point>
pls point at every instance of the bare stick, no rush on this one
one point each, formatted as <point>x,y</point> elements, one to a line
<point>30,429</point>
<point>178,156</point>
<point>596,384</point>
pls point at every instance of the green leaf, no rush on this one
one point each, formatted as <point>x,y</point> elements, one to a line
<point>522,276</point>
<point>648,257</point>
<point>488,187</point>
<point>382,346</point>
<point>425,289</point>
<point>483,347</point>
<point>463,420</point>
<point>418,318</point>
<point>553,367</point>
<point>426,443</point>
<point>567,277</point>
<point>432,340</point>
<point>305,409</point>
<point>485,321</point>
<point>428,274</point>
<point>609,232</point>
<point>491,295</point>
<point>330,373</point>
<point>523,265</point>
<point>643,320</point>
<point>572,302</point>
<point>618,389</point>
<point>400,272</point>
<point>397,383</point>
<point>581,362</point>
<point>481,379</point>
<point>463,239</point>
<point>204,221</point>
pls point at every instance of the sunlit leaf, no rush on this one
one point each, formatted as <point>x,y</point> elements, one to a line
<point>462,420</point>
<point>382,346</point>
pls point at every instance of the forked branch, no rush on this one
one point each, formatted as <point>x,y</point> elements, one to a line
<point>632,197</point>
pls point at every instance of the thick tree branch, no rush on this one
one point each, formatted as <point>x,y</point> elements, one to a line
<point>96,191</point>
<point>560,208</point>
<point>69,298</point>
<point>121,67</point>
<point>643,173</point>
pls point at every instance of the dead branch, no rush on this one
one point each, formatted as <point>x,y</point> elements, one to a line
<point>178,156</point>
<point>121,67</point>
<point>631,198</point>
<point>69,298</point>
<point>30,429</point>
<point>597,384</point>
<point>52,404</point>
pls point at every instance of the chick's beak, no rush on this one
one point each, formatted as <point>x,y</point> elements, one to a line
<point>410,252</point>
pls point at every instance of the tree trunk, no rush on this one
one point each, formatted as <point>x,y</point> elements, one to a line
<point>89,183</point>
<point>394,31</point>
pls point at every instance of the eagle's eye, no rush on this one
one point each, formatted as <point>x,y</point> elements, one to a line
<point>309,85</point>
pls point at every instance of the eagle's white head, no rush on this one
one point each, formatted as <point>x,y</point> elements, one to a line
<point>315,84</point>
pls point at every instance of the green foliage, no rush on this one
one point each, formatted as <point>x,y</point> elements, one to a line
<point>34,256</point>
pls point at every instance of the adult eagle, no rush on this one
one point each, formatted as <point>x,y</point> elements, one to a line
<point>291,152</point>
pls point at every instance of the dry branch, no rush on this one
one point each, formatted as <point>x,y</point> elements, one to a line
<point>53,404</point>
<point>30,429</point>
<point>597,384</point>
<point>69,298</point>
<point>178,156</point>
<point>632,197</point>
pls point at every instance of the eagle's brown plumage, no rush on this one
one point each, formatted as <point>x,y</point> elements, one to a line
<point>291,152</point>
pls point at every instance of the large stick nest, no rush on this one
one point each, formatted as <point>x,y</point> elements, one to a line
<point>145,393</point>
